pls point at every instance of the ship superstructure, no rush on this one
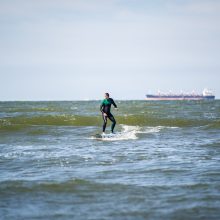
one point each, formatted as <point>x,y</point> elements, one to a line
<point>206,95</point>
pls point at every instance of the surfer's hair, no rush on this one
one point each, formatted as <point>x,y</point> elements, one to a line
<point>107,94</point>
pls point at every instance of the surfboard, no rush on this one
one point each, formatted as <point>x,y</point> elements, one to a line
<point>104,136</point>
<point>97,136</point>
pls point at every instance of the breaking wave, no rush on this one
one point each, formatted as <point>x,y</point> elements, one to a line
<point>14,123</point>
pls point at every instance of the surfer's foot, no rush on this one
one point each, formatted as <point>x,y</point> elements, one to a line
<point>103,133</point>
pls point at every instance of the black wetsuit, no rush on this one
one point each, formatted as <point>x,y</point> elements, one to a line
<point>106,108</point>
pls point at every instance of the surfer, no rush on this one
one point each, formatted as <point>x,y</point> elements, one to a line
<point>105,108</point>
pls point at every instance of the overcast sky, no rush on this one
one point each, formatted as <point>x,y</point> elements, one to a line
<point>68,49</point>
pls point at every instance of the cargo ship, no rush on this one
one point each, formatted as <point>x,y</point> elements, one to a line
<point>206,95</point>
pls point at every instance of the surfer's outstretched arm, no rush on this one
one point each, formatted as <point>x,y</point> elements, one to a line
<point>113,103</point>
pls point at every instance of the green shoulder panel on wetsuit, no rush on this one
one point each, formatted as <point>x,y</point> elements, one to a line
<point>106,102</point>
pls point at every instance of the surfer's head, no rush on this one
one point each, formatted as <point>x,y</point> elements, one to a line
<point>106,95</point>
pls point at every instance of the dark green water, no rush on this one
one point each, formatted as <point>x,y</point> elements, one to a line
<point>163,164</point>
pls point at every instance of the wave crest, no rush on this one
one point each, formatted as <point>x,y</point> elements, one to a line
<point>78,120</point>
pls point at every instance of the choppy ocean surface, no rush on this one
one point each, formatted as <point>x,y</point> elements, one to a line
<point>163,164</point>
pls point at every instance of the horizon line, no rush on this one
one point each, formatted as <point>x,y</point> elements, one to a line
<point>87,100</point>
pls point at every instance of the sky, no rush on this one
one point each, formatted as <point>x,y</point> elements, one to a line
<point>77,50</point>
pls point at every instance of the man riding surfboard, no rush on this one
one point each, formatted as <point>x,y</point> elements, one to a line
<point>105,108</point>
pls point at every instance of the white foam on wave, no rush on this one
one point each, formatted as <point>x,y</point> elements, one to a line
<point>145,130</point>
<point>156,129</point>
<point>129,132</point>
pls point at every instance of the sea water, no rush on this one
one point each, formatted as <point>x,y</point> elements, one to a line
<point>163,162</point>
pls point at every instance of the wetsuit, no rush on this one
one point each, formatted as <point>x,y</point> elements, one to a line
<point>106,108</point>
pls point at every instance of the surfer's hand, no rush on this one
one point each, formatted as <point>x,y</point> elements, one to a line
<point>104,114</point>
